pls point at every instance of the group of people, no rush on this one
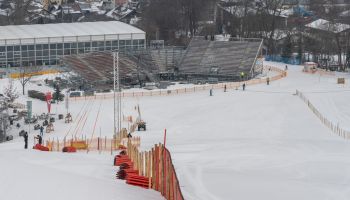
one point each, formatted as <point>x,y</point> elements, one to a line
<point>39,137</point>
<point>244,85</point>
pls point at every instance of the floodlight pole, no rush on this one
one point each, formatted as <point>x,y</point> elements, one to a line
<point>114,81</point>
<point>116,89</point>
<point>119,96</point>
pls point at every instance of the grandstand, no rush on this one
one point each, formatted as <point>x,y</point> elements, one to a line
<point>203,60</point>
<point>97,68</point>
<point>224,60</point>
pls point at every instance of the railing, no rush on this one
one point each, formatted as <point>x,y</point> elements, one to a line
<point>333,127</point>
<point>256,58</point>
<point>166,92</point>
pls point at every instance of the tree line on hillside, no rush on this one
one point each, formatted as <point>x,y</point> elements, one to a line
<point>283,33</point>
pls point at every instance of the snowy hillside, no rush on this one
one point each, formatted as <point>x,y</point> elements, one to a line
<point>262,143</point>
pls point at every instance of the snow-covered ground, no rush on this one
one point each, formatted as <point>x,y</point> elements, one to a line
<point>262,143</point>
<point>30,174</point>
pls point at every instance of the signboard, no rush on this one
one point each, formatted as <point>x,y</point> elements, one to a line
<point>29,108</point>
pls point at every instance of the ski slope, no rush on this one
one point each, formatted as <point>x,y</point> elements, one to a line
<point>262,143</point>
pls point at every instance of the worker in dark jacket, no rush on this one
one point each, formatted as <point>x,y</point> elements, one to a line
<point>25,136</point>
<point>243,86</point>
<point>39,138</point>
<point>41,131</point>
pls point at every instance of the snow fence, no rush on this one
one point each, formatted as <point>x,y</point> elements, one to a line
<point>334,127</point>
<point>152,169</point>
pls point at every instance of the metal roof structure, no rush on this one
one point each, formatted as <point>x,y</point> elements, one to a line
<point>61,32</point>
<point>324,25</point>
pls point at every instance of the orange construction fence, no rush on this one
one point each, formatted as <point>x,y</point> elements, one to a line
<point>95,144</point>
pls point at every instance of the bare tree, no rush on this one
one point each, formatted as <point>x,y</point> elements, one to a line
<point>268,14</point>
<point>335,40</point>
<point>25,74</point>
<point>11,91</point>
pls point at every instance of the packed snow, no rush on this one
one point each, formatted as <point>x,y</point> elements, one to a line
<point>261,143</point>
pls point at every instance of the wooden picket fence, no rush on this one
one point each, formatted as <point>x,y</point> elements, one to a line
<point>198,88</point>
<point>158,167</point>
<point>328,123</point>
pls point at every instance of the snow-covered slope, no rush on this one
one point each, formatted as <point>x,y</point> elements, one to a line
<point>262,143</point>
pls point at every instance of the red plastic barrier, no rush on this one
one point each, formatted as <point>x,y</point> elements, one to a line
<point>40,147</point>
<point>137,180</point>
<point>69,149</point>
<point>131,171</point>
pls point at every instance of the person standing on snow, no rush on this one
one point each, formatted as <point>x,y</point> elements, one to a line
<point>224,88</point>
<point>242,76</point>
<point>243,86</point>
<point>25,136</point>
<point>41,131</point>
<point>40,139</point>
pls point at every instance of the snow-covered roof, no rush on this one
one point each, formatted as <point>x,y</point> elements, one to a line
<point>322,24</point>
<point>66,30</point>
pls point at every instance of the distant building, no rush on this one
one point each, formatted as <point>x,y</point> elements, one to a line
<point>45,44</point>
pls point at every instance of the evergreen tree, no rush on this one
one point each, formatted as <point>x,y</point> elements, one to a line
<point>57,95</point>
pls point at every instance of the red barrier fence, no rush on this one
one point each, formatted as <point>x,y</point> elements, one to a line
<point>197,88</point>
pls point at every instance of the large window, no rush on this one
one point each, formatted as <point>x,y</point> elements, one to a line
<point>49,54</point>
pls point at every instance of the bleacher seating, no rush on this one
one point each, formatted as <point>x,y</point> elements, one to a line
<point>98,66</point>
<point>230,57</point>
<point>166,58</point>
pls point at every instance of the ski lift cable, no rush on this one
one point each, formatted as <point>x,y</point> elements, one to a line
<point>86,117</point>
<point>81,117</point>
<point>93,130</point>
<point>78,115</point>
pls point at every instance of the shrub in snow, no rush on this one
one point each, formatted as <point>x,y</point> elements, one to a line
<point>11,92</point>
<point>36,95</point>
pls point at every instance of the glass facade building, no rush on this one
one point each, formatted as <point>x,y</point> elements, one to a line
<point>44,45</point>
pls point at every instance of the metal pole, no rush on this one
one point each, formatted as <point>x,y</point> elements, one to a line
<point>114,82</point>
<point>119,95</point>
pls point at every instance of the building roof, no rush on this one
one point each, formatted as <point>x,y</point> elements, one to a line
<point>324,25</point>
<point>66,30</point>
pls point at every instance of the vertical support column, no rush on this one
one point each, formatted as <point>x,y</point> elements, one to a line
<point>77,46</point>
<point>62,46</point>
<point>104,42</point>
<point>48,39</point>
<point>118,43</point>
<point>7,71</point>
<point>34,52</point>
<point>90,43</point>
<point>20,51</point>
